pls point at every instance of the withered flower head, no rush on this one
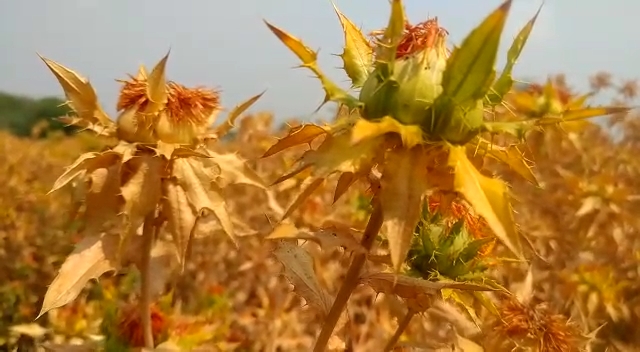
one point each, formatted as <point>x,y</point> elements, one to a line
<point>153,109</point>
<point>535,326</point>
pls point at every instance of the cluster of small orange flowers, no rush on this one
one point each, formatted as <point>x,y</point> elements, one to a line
<point>454,211</point>
<point>193,104</point>
<point>419,37</point>
<point>129,325</point>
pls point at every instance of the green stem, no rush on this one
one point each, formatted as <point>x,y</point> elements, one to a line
<point>402,326</point>
<point>145,274</point>
<point>352,277</point>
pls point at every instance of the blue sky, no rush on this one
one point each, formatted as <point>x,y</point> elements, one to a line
<point>226,45</point>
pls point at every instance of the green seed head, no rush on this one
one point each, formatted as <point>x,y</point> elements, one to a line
<point>410,90</point>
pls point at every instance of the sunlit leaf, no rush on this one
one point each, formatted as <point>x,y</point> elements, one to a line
<point>403,184</point>
<point>470,69</point>
<point>504,83</point>
<point>489,198</point>
<point>304,134</point>
<point>309,60</point>
<point>298,269</point>
<point>235,113</point>
<point>358,53</point>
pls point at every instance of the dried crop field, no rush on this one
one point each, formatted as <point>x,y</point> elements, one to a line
<point>503,220</point>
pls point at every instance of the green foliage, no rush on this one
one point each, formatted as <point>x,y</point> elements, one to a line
<point>20,114</point>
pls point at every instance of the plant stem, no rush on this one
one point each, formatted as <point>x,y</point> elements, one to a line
<point>402,326</point>
<point>145,274</point>
<point>351,279</point>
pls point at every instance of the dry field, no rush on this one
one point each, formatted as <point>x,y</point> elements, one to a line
<point>442,209</point>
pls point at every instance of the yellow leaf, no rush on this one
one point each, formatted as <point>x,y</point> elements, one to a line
<point>309,60</point>
<point>364,130</point>
<point>304,134</point>
<point>81,95</point>
<point>235,113</point>
<point>358,53</point>
<point>511,156</point>
<point>403,185</point>
<point>157,87</point>
<point>298,269</point>
<point>489,198</point>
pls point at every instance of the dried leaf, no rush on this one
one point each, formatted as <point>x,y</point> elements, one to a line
<point>417,291</point>
<point>92,257</point>
<point>85,163</point>
<point>162,257</point>
<point>235,113</point>
<point>304,134</point>
<point>326,238</point>
<point>157,87</point>
<point>197,179</point>
<point>298,269</point>
<point>489,198</point>
<point>143,190</point>
<point>102,200</point>
<point>82,98</point>
<point>309,186</point>
<point>234,170</point>
<point>403,184</point>
<point>180,216</point>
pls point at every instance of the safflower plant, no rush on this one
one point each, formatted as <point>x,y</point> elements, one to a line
<point>160,176</point>
<point>421,124</point>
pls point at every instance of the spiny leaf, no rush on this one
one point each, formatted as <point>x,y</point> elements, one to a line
<point>157,87</point>
<point>85,163</point>
<point>511,156</point>
<point>411,135</point>
<point>81,95</point>
<point>504,83</point>
<point>233,170</point>
<point>582,114</point>
<point>197,179</point>
<point>235,113</point>
<point>162,257</point>
<point>326,238</point>
<point>414,289</point>
<point>489,198</point>
<point>309,186</point>
<point>102,199</point>
<point>470,69</point>
<point>180,217</point>
<point>142,192</point>
<point>92,257</point>
<point>403,184</point>
<point>309,60</point>
<point>304,134</point>
<point>358,54</point>
<point>298,269</point>
<point>386,54</point>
